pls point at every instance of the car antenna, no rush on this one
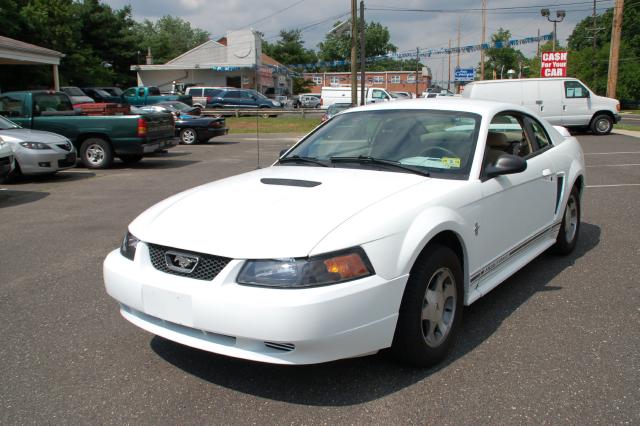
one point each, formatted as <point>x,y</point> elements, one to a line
<point>258,139</point>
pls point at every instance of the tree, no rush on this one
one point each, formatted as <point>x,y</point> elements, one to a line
<point>338,47</point>
<point>289,49</point>
<point>499,60</point>
<point>168,38</point>
<point>593,68</point>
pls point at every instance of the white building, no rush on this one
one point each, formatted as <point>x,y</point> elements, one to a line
<point>235,60</point>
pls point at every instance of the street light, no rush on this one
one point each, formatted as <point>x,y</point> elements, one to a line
<point>560,14</point>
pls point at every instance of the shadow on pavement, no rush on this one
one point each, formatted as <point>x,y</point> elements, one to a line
<point>358,380</point>
<point>154,163</point>
<point>10,198</point>
<point>62,176</point>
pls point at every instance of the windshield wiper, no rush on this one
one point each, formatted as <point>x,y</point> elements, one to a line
<point>298,159</point>
<point>372,160</point>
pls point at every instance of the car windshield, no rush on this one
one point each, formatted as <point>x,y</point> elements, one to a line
<point>441,143</point>
<point>73,91</point>
<point>258,94</point>
<point>102,93</point>
<point>7,124</point>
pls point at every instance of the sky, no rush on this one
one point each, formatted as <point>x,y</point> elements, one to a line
<point>430,24</point>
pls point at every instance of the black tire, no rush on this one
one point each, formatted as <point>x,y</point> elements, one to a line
<point>601,125</point>
<point>417,341</point>
<point>188,136</point>
<point>131,158</point>
<point>96,153</point>
<point>570,229</point>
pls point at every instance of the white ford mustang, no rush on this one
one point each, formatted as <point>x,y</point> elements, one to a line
<point>372,232</point>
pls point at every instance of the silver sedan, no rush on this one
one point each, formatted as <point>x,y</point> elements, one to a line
<point>37,152</point>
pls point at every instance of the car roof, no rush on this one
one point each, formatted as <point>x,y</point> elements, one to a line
<point>448,103</point>
<point>523,79</point>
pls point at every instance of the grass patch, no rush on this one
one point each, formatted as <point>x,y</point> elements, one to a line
<point>632,111</point>
<point>272,124</point>
<point>626,127</point>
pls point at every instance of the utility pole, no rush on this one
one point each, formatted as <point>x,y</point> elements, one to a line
<point>363,63</point>
<point>417,68</point>
<point>458,57</point>
<point>449,75</point>
<point>614,52</point>
<point>354,57</point>
<point>484,33</point>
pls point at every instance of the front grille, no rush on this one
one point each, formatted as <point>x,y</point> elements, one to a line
<point>65,146</point>
<point>284,347</point>
<point>6,160</point>
<point>208,267</point>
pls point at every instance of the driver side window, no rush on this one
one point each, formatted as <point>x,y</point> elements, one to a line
<point>506,136</point>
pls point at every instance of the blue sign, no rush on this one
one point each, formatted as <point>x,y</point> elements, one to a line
<point>465,74</point>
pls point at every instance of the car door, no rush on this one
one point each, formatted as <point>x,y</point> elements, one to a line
<point>514,208</point>
<point>130,96</point>
<point>551,98</point>
<point>249,100</point>
<point>232,99</point>
<point>576,104</point>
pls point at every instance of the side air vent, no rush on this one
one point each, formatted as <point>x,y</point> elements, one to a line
<point>290,182</point>
<point>559,191</point>
<point>284,347</point>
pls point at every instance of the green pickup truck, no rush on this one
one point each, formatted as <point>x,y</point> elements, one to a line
<point>141,96</point>
<point>98,139</point>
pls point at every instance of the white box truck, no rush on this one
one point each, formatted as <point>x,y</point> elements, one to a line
<point>342,94</point>
<point>562,101</point>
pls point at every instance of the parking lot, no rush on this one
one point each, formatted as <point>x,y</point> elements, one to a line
<point>556,343</point>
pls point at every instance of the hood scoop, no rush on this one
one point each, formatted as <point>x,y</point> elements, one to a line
<point>290,182</point>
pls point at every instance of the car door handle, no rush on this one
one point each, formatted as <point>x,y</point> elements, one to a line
<point>546,173</point>
<point>564,107</point>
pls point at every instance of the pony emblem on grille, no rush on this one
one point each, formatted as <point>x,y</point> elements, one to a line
<point>181,262</point>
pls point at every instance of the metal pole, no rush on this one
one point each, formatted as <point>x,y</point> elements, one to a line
<point>354,57</point>
<point>417,68</point>
<point>363,63</point>
<point>554,35</point>
<point>484,30</point>
<point>449,74</point>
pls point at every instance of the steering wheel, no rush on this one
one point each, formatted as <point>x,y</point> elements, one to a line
<point>440,149</point>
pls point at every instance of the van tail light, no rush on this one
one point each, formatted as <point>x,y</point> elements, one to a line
<point>142,128</point>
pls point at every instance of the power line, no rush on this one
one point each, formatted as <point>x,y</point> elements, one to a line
<point>275,13</point>
<point>511,8</point>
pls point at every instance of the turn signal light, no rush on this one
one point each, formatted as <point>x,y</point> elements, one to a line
<point>348,266</point>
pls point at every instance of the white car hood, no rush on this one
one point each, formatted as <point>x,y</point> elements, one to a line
<point>242,217</point>
<point>29,135</point>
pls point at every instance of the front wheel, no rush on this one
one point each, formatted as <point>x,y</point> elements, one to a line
<point>431,308</point>
<point>96,153</point>
<point>570,228</point>
<point>188,136</point>
<point>602,124</point>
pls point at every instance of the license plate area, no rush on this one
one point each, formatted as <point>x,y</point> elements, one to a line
<point>168,305</point>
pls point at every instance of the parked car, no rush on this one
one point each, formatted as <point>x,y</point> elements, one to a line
<point>309,101</point>
<point>112,90</point>
<point>101,95</point>
<point>190,128</point>
<point>564,102</point>
<point>6,160</point>
<point>397,216</point>
<point>342,94</point>
<point>203,96</point>
<point>140,96</point>
<point>401,95</point>
<point>76,95</point>
<point>98,139</point>
<point>436,93</point>
<point>180,107</point>
<point>241,98</point>
<point>334,109</point>
<point>37,152</point>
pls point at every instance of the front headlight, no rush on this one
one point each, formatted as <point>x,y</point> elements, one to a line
<point>327,269</point>
<point>129,245</point>
<point>35,145</point>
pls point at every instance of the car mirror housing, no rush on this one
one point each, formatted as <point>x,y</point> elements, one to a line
<point>506,164</point>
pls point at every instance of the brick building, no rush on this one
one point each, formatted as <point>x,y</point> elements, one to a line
<point>393,81</point>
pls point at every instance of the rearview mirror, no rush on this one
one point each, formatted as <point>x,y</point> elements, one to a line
<point>506,164</point>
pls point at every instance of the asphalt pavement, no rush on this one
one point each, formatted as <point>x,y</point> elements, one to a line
<point>557,343</point>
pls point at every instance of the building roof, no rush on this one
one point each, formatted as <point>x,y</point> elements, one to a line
<point>18,52</point>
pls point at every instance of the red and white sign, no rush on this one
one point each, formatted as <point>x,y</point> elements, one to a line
<point>554,64</point>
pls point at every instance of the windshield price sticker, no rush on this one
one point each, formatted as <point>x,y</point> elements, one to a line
<point>450,162</point>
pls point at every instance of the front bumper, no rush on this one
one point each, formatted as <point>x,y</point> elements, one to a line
<point>617,118</point>
<point>34,161</point>
<point>301,326</point>
<point>6,165</point>
<point>208,133</point>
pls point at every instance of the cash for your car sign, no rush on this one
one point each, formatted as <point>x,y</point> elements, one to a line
<point>465,74</point>
<point>553,64</point>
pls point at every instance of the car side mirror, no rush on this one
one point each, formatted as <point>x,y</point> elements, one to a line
<point>506,164</point>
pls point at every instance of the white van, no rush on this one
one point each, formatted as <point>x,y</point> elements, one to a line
<point>342,94</point>
<point>564,102</point>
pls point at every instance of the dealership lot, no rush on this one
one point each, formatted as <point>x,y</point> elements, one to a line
<point>558,341</point>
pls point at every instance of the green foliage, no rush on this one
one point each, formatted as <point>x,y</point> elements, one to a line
<point>100,43</point>
<point>168,38</point>
<point>301,85</point>
<point>289,49</point>
<point>500,60</point>
<point>592,68</point>
<point>338,47</point>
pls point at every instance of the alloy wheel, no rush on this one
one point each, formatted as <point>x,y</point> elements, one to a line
<point>438,307</point>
